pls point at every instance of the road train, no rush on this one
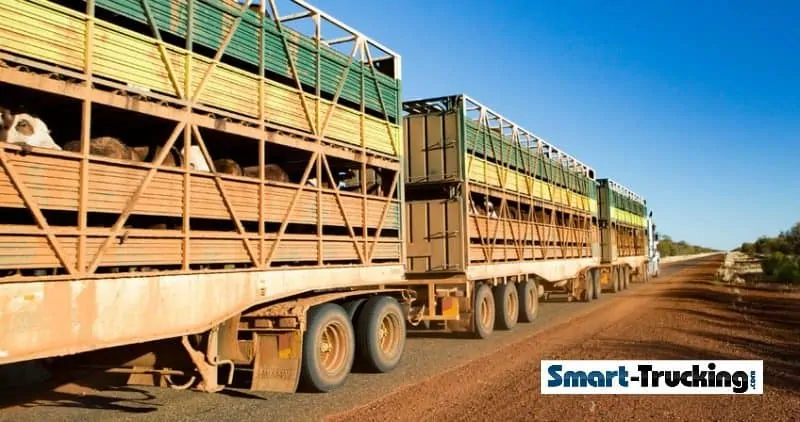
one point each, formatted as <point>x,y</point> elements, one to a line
<point>197,191</point>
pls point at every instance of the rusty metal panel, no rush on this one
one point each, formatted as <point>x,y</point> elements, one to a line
<point>453,149</point>
<point>456,227</point>
<point>608,245</point>
<point>418,247</point>
<point>434,145</point>
<point>414,134</point>
<point>437,234</point>
<point>43,319</point>
<point>435,241</point>
<point>435,207</point>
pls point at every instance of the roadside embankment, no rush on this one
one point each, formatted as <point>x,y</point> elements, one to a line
<point>679,258</point>
<point>746,271</point>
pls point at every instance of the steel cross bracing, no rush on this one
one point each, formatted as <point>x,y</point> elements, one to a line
<point>576,229</point>
<point>319,17</point>
<point>519,135</point>
<point>318,115</point>
<point>619,188</point>
<point>528,140</point>
<point>87,87</point>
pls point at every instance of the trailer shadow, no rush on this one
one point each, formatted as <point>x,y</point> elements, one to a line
<point>90,393</point>
<point>441,335</point>
<point>731,323</point>
<point>780,371</point>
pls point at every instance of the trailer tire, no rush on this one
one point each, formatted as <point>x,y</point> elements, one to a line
<point>626,278</point>
<point>483,314</point>
<point>352,307</point>
<point>506,306</point>
<point>380,334</point>
<point>597,289</point>
<point>615,280</point>
<point>528,294</point>
<point>329,328</point>
<point>588,290</point>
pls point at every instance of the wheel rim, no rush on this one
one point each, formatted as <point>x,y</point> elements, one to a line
<point>389,334</point>
<point>512,305</point>
<point>332,348</point>
<point>485,310</point>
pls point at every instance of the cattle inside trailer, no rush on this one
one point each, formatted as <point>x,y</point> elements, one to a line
<point>218,190</point>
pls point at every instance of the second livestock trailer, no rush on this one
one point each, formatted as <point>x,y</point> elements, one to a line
<point>496,216</point>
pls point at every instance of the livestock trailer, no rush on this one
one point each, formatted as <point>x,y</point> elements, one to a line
<point>624,232</point>
<point>496,216</point>
<point>119,226</point>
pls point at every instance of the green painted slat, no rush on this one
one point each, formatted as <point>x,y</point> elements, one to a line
<point>488,144</point>
<point>619,201</point>
<point>212,21</point>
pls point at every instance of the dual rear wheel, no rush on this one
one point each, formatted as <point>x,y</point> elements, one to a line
<point>621,279</point>
<point>367,333</point>
<point>503,306</point>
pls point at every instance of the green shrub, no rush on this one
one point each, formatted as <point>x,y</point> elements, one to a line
<point>782,268</point>
<point>771,264</point>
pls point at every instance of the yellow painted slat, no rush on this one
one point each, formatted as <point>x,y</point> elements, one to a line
<point>626,217</point>
<point>485,172</point>
<point>55,34</point>
<point>37,31</point>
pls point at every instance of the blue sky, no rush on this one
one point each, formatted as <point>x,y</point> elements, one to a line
<point>693,105</point>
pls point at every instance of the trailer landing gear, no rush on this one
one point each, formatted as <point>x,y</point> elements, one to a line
<point>206,364</point>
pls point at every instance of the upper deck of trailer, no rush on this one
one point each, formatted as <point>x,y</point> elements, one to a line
<point>220,57</point>
<point>88,72</point>
<point>502,156</point>
<point>515,135</point>
<point>207,23</point>
<point>624,205</point>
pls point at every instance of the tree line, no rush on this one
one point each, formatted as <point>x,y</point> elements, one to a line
<point>668,247</point>
<point>780,255</point>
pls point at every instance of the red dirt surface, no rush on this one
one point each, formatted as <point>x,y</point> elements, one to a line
<point>685,316</point>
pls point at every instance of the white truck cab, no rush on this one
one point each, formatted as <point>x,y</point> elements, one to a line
<point>654,257</point>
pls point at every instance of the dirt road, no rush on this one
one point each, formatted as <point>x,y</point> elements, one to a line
<point>682,317</point>
<point>452,379</point>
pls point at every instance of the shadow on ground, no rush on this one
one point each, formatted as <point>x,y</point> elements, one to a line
<point>725,322</point>
<point>87,394</point>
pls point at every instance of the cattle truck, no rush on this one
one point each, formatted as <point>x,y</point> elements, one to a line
<point>497,217</point>
<point>125,253</point>
<point>625,236</point>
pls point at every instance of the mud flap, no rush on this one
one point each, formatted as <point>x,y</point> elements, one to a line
<point>278,357</point>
